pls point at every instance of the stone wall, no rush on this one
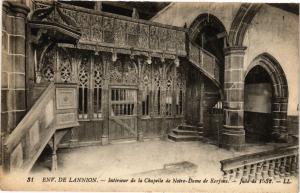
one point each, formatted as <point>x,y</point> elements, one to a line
<point>275,32</point>
<point>179,13</point>
<point>13,95</point>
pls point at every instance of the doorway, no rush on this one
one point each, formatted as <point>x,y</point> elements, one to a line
<point>122,113</point>
<point>258,102</point>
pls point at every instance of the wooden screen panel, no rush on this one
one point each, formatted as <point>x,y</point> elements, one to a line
<point>123,113</point>
<point>123,102</point>
<point>90,131</point>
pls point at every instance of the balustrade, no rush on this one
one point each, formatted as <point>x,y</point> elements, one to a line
<point>54,109</point>
<point>275,164</point>
<point>204,60</point>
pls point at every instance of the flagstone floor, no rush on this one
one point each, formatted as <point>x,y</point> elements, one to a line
<point>149,157</point>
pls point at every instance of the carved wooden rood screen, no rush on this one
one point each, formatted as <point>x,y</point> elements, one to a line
<point>118,77</point>
<point>120,91</point>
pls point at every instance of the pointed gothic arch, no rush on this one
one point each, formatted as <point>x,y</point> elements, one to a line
<point>240,23</point>
<point>280,93</point>
<point>202,21</point>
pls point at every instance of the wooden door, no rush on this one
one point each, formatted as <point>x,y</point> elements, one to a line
<point>122,113</point>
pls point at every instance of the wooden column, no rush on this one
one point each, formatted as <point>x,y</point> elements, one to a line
<point>140,133</point>
<point>54,155</point>
<point>105,99</point>
<point>201,101</point>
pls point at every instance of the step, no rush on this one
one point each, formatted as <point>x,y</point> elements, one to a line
<point>181,138</point>
<point>189,128</point>
<point>186,132</point>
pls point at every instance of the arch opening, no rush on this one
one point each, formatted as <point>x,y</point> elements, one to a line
<point>258,95</point>
<point>266,99</point>
<point>209,33</point>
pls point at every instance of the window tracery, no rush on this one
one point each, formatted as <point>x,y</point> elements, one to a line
<point>116,72</point>
<point>65,67</point>
<point>83,79</point>
<point>48,65</point>
<point>180,90</point>
<point>98,83</point>
<point>157,87</point>
<point>146,83</point>
<point>130,72</point>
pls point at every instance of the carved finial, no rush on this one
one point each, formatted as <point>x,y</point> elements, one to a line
<point>98,6</point>
<point>135,14</point>
<point>149,60</point>
<point>114,57</point>
<point>176,61</point>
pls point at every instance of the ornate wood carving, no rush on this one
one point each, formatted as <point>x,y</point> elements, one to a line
<point>130,73</point>
<point>50,22</point>
<point>47,66</point>
<point>83,74</point>
<point>116,72</point>
<point>99,29</point>
<point>65,98</point>
<point>98,72</point>
<point>65,66</point>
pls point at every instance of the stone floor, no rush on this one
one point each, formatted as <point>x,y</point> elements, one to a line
<point>149,157</point>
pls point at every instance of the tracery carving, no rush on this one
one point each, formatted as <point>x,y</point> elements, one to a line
<point>116,72</point>
<point>154,37</point>
<point>108,30</point>
<point>83,75</point>
<point>132,33</point>
<point>120,32</point>
<point>146,75</point>
<point>48,65</point>
<point>65,67</point>
<point>180,78</point>
<point>98,72</point>
<point>144,36</point>
<point>96,28</point>
<point>130,72</point>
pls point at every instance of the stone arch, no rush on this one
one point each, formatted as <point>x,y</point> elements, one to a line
<point>203,20</point>
<point>274,69</point>
<point>240,23</point>
<point>280,93</point>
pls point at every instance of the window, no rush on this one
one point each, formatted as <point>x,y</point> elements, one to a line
<point>179,103</point>
<point>98,83</point>
<point>180,90</point>
<point>123,102</point>
<point>83,78</point>
<point>146,92</point>
<point>145,104</point>
<point>169,91</point>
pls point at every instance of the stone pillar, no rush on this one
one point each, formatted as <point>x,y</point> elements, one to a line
<point>13,88</point>
<point>233,133</point>
<point>279,114</point>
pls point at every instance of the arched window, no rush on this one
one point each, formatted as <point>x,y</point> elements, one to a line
<point>83,83</point>
<point>98,81</point>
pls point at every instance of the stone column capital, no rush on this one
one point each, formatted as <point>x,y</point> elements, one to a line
<point>235,50</point>
<point>19,9</point>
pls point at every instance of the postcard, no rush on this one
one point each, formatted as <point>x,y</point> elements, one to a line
<point>115,96</point>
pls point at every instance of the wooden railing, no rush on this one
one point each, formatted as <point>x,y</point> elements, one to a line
<point>204,60</point>
<point>102,31</point>
<point>55,109</point>
<point>279,163</point>
<point>28,139</point>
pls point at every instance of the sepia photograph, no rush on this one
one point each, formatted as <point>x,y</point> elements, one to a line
<point>155,96</point>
